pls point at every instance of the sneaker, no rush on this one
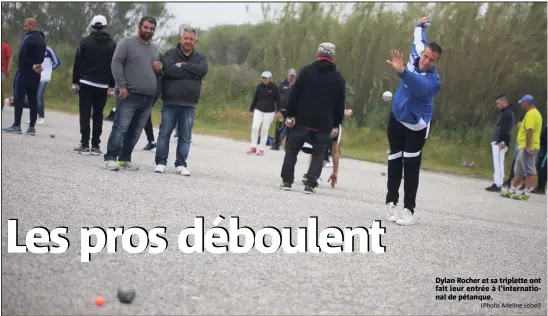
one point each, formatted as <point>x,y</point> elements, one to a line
<point>160,169</point>
<point>493,188</point>
<point>127,165</point>
<point>96,151</point>
<point>31,131</point>
<point>392,212</point>
<point>285,186</point>
<point>406,218</point>
<point>309,190</point>
<point>521,197</point>
<point>150,146</point>
<point>40,121</point>
<point>183,171</point>
<point>83,150</point>
<point>507,194</point>
<point>260,152</point>
<point>252,150</point>
<point>539,191</point>
<point>13,130</point>
<point>111,165</point>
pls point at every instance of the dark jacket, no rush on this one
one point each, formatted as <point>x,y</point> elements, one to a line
<point>93,59</point>
<point>502,130</point>
<point>266,98</point>
<point>183,85</point>
<point>31,52</point>
<point>285,90</point>
<point>317,98</point>
<point>543,144</point>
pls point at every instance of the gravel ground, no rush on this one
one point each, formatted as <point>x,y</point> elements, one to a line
<point>463,232</point>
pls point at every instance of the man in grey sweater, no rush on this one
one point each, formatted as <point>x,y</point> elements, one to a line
<point>136,67</point>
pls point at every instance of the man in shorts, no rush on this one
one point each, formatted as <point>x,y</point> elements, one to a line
<point>528,146</point>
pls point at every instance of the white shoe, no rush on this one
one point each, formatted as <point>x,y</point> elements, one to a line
<point>406,219</point>
<point>40,121</point>
<point>160,169</point>
<point>392,212</point>
<point>183,171</point>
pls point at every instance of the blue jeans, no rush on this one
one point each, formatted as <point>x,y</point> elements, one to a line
<point>182,117</point>
<point>129,121</point>
<point>41,91</point>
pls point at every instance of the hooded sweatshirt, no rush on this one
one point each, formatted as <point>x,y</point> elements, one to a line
<point>317,99</point>
<point>92,63</point>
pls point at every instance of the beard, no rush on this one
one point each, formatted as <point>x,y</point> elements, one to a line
<point>146,36</point>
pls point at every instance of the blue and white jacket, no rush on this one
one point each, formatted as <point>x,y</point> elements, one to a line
<point>413,102</point>
<point>51,62</point>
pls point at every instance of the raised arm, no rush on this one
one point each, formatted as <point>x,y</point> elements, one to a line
<point>419,41</point>
<point>117,64</point>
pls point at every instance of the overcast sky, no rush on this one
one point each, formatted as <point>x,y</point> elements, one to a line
<point>205,15</point>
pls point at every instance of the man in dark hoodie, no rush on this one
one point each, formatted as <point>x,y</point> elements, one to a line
<point>32,52</point>
<point>184,71</point>
<point>284,91</point>
<point>501,141</point>
<point>92,79</point>
<point>315,111</point>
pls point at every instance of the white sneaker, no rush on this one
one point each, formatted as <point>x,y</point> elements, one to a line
<point>392,212</point>
<point>160,169</point>
<point>406,219</point>
<point>40,121</point>
<point>183,171</point>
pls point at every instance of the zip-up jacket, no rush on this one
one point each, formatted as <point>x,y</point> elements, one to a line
<point>266,98</point>
<point>317,98</point>
<point>285,90</point>
<point>502,130</point>
<point>51,62</point>
<point>183,85</point>
<point>413,103</point>
<point>93,59</point>
<point>32,51</point>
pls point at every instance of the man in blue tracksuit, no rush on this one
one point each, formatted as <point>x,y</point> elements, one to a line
<point>32,52</point>
<point>409,123</point>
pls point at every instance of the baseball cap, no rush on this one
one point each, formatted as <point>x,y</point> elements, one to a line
<point>266,74</point>
<point>99,20</point>
<point>526,98</point>
<point>291,72</point>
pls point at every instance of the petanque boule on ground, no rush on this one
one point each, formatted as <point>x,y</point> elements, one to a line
<point>126,293</point>
<point>52,135</point>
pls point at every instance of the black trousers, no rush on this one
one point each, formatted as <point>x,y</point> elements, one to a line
<point>541,171</point>
<point>296,139</point>
<point>405,155</point>
<point>148,130</point>
<point>92,102</point>
<point>25,86</point>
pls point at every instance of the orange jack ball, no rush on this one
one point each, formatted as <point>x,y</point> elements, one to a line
<point>100,301</point>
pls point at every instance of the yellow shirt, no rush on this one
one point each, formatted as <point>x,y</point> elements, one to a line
<point>532,120</point>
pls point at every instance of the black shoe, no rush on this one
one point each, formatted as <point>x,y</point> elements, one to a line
<point>150,146</point>
<point>31,131</point>
<point>13,130</point>
<point>81,150</point>
<point>539,191</point>
<point>493,188</point>
<point>507,184</point>
<point>285,186</point>
<point>96,151</point>
<point>309,190</point>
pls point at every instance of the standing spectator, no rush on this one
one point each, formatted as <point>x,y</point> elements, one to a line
<point>528,146</point>
<point>136,68</point>
<point>285,90</point>
<point>541,165</point>
<point>508,181</point>
<point>264,108</point>
<point>185,68</point>
<point>92,79</point>
<point>51,62</point>
<point>409,124</point>
<point>315,111</point>
<point>501,141</point>
<point>149,131</point>
<point>7,58</point>
<point>27,79</point>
